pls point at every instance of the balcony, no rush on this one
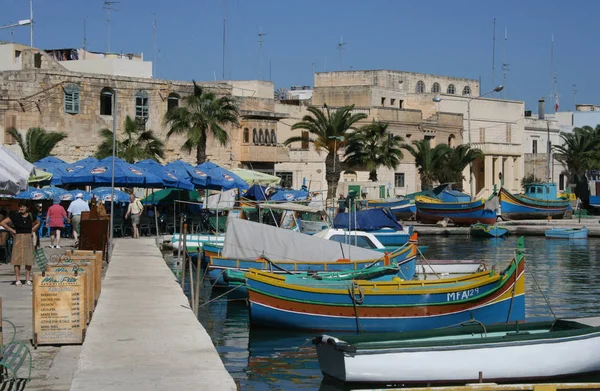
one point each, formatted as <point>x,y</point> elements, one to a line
<point>264,153</point>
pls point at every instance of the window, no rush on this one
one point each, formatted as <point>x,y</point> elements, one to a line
<point>400,103</point>
<point>534,146</point>
<point>267,137</point>
<point>399,179</point>
<point>451,89</point>
<point>246,136</point>
<point>435,87</point>
<point>482,135</point>
<point>286,179</point>
<point>561,182</point>
<point>429,138</point>
<point>261,137</point>
<point>10,121</point>
<point>106,96</point>
<point>37,60</point>
<point>451,140</point>
<point>420,87</point>
<point>172,101</point>
<point>254,136</point>
<point>72,99</point>
<point>467,91</point>
<point>392,102</point>
<point>305,141</point>
<point>383,102</point>
<point>273,137</point>
<point>142,105</point>
<point>508,133</point>
<point>360,241</point>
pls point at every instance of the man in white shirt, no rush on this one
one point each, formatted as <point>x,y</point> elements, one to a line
<point>74,212</point>
<point>135,210</point>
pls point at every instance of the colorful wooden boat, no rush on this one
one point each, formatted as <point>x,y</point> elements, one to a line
<point>488,231</point>
<point>567,233</point>
<point>431,210</point>
<point>402,208</point>
<point>538,202</point>
<point>488,297</point>
<point>497,353</point>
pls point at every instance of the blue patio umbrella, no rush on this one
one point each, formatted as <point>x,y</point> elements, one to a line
<point>54,192</point>
<point>32,193</point>
<point>185,170</point>
<point>220,178</point>
<point>289,195</point>
<point>100,173</point>
<point>48,161</point>
<point>104,194</point>
<point>169,178</point>
<point>72,194</point>
<point>256,192</point>
<point>54,166</point>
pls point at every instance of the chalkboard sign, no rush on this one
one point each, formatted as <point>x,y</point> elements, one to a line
<point>58,309</point>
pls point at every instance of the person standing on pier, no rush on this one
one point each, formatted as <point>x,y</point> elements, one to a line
<point>135,211</point>
<point>75,209</point>
<point>56,217</point>
<point>23,229</point>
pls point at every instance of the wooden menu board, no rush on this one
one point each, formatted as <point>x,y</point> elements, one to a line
<point>58,309</point>
<point>97,255</point>
<point>79,270</point>
<point>89,265</point>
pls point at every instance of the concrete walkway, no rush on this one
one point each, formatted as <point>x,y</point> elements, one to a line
<point>143,335</point>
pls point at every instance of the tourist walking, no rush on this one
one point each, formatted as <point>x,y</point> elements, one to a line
<point>75,209</point>
<point>55,219</point>
<point>23,229</point>
<point>135,211</point>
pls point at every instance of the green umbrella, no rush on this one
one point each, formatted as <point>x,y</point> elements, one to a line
<point>252,177</point>
<point>170,195</point>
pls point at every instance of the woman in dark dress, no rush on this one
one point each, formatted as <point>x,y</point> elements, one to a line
<point>23,228</point>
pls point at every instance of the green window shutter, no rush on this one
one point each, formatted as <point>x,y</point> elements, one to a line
<point>72,99</point>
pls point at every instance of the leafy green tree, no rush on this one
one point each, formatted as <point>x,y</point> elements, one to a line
<point>529,178</point>
<point>580,151</point>
<point>372,146</point>
<point>456,160</point>
<point>202,114</point>
<point>136,145</point>
<point>38,143</point>
<point>329,131</point>
<point>429,161</point>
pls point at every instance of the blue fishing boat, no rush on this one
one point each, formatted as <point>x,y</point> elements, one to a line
<point>464,212</point>
<point>401,208</point>
<point>488,231</point>
<point>567,233</point>
<point>538,202</point>
<point>286,302</point>
<point>380,222</point>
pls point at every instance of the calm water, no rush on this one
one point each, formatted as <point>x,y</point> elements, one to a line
<point>565,271</point>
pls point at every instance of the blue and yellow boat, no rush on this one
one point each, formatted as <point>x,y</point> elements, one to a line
<point>488,297</point>
<point>538,202</point>
<point>488,231</point>
<point>402,208</point>
<point>431,210</point>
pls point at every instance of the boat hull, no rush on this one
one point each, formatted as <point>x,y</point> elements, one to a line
<point>487,231</point>
<point>496,362</point>
<point>567,233</point>
<point>519,207</point>
<point>460,213</point>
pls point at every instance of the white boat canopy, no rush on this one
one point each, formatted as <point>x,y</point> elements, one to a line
<point>14,172</point>
<point>249,240</point>
<point>292,207</point>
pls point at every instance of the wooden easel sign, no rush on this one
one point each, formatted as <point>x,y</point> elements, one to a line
<point>84,272</point>
<point>58,309</point>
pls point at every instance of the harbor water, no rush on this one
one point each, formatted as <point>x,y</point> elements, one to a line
<point>561,280</point>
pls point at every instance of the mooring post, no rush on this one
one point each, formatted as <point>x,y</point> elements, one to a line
<point>184,254</point>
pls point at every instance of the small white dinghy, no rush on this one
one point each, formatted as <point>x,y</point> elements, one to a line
<point>506,352</point>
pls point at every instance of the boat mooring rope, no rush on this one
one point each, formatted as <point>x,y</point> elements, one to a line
<point>355,301</point>
<point>221,295</point>
<point>428,264</point>
<point>540,289</point>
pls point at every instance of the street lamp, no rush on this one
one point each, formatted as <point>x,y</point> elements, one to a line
<point>437,99</point>
<point>24,22</point>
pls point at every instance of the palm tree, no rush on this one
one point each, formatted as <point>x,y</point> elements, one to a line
<point>137,144</point>
<point>372,146</point>
<point>329,131</point>
<point>457,160</point>
<point>202,114</point>
<point>428,160</point>
<point>580,150</point>
<point>38,143</point>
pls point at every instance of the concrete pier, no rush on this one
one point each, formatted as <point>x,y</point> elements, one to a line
<point>143,335</point>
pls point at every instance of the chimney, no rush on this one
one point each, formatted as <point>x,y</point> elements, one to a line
<point>541,103</point>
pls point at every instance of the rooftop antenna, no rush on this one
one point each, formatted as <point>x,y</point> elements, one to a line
<point>554,92</point>
<point>494,54</point>
<point>84,36</point>
<point>12,33</point>
<point>574,93</point>
<point>505,64</point>
<point>31,24</point>
<point>224,30</point>
<point>154,73</point>
<point>260,37</point>
<point>108,6</point>
<point>341,48</point>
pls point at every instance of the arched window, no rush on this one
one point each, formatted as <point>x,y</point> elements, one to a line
<point>467,91</point>
<point>142,106</point>
<point>273,137</point>
<point>435,87</point>
<point>267,137</point>
<point>254,136</point>
<point>451,140</point>
<point>451,89</point>
<point>72,99</point>
<point>261,137</point>
<point>172,101</point>
<point>420,87</point>
<point>246,136</point>
<point>106,96</point>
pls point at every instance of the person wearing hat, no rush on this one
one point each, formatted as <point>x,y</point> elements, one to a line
<point>22,226</point>
<point>55,218</point>
<point>75,209</point>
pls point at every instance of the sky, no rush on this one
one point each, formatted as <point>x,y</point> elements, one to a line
<point>450,38</point>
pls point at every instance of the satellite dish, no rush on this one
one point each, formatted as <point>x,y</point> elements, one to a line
<point>281,94</point>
